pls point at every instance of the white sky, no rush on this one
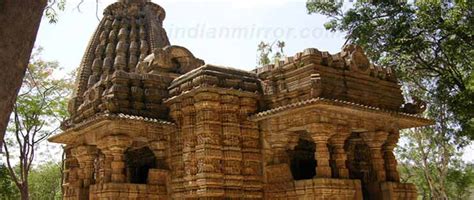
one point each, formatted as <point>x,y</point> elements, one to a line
<point>189,24</point>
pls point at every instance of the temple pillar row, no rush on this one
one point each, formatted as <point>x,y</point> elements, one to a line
<point>188,167</point>
<point>183,164</point>
<point>330,153</point>
<point>232,148</point>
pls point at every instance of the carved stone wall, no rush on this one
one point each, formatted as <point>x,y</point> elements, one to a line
<point>347,75</point>
<point>217,150</point>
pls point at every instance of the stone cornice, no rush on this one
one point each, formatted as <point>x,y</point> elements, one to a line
<point>419,121</point>
<point>99,120</point>
<point>192,92</point>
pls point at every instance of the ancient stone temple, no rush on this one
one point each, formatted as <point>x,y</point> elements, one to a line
<point>149,120</point>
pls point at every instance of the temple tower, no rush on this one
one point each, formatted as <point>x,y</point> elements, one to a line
<point>117,137</point>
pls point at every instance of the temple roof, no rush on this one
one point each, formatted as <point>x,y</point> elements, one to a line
<point>128,32</point>
<point>128,64</point>
<point>129,67</point>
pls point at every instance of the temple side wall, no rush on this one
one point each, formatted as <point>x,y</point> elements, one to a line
<point>217,152</point>
<point>99,165</point>
<point>353,160</point>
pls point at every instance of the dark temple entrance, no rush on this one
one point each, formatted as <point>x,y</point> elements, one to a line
<point>358,162</point>
<point>302,161</point>
<point>138,162</point>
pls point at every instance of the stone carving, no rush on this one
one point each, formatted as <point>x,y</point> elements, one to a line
<point>355,58</point>
<point>418,106</point>
<point>151,121</point>
<point>169,59</point>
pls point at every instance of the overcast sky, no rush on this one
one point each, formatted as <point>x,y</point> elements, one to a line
<point>221,32</point>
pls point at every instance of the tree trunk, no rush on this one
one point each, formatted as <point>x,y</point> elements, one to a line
<point>24,193</point>
<point>19,22</point>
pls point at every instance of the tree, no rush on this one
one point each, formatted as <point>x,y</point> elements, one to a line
<point>20,21</point>
<point>265,49</point>
<point>39,108</point>
<point>461,181</point>
<point>429,156</point>
<point>437,170</point>
<point>430,46</point>
<point>434,165</point>
<point>428,43</point>
<point>45,181</point>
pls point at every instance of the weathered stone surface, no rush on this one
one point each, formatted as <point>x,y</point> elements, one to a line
<point>151,121</point>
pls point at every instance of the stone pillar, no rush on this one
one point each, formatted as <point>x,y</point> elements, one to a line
<point>232,146</point>
<point>117,165</point>
<point>390,160</point>
<point>375,140</point>
<point>86,156</point>
<point>280,155</point>
<point>159,149</point>
<point>114,147</point>
<point>339,155</point>
<point>209,145</point>
<point>105,171</point>
<point>72,182</point>
<point>321,132</point>
<point>251,150</point>
<point>182,149</point>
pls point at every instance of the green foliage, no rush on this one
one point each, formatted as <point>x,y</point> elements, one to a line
<point>265,50</point>
<point>45,181</point>
<point>7,187</point>
<point>433,163</point>
<point>428,43</point>
<point>40,106</point>
<point>460,182</point>
<point>51,10</point>
<point>42,101</point>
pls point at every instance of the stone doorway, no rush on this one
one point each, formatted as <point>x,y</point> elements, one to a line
<point>138,162</point>
<point>359,162</point>
<point>302,160</point>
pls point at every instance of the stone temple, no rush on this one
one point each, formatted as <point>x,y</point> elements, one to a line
<point>149,120</point>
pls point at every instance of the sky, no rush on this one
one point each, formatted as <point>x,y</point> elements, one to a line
<point>221,32</point>
<point>205,27</point>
